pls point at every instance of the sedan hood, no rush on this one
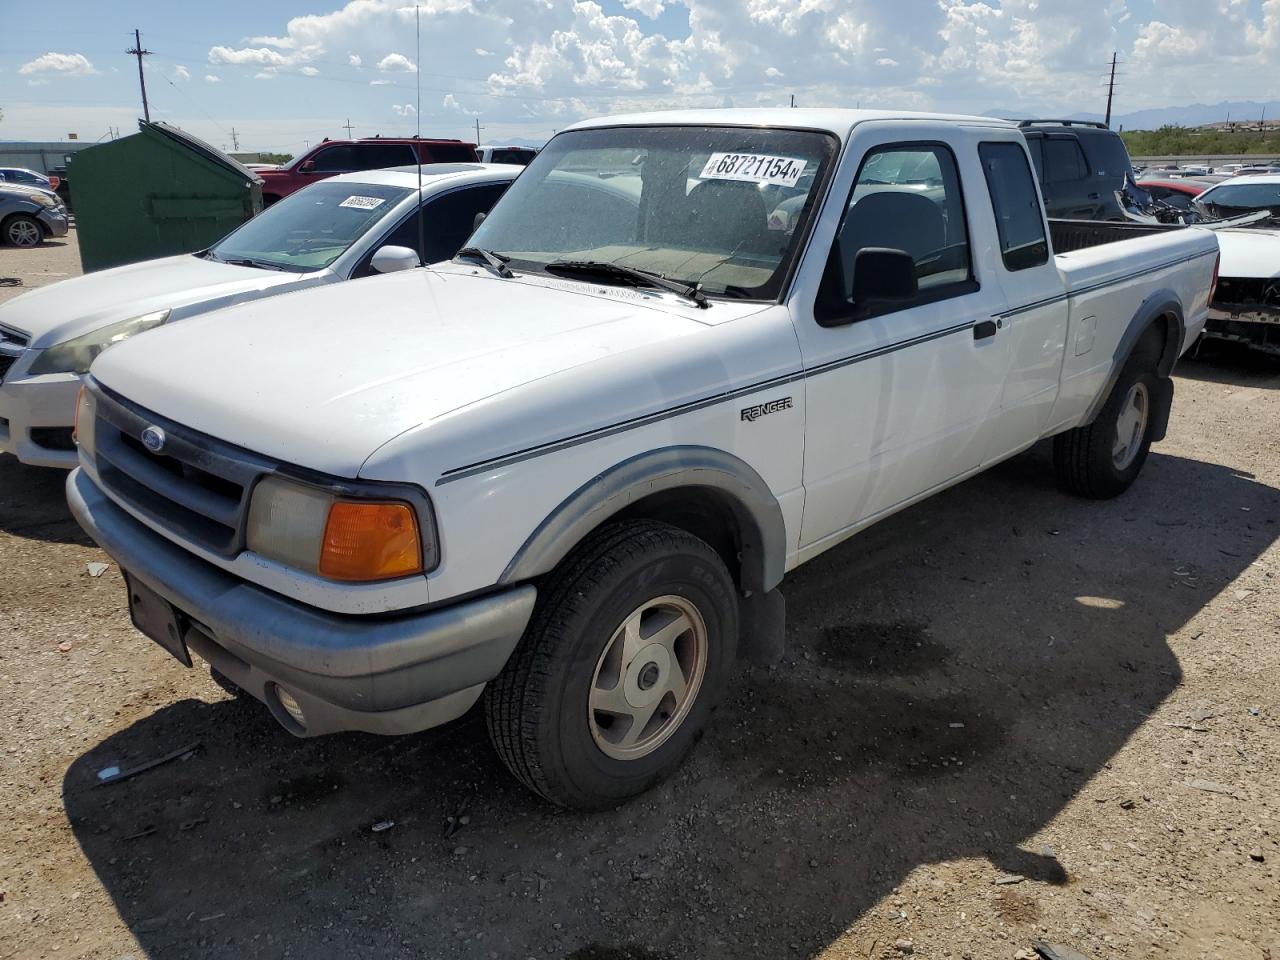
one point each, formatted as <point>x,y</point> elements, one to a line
<point>61,311</point>
<point>322,378</point>
<point>1249,253</point>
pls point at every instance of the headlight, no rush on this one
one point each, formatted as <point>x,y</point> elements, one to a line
<point>337,537</point>
<point>44,200</point>
<point>75,356</point>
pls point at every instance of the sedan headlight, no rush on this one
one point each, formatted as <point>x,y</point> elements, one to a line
<point>341,538</point>
<point>44,200</point>
<point>75,356</point>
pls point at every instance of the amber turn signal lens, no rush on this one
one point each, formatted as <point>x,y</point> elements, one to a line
<point>370,540</point>
<point>75,420</point>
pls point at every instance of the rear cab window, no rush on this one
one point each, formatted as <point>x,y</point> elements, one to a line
<point>1014,202</point>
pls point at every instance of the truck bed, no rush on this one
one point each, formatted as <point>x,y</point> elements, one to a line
<point>1070,235</point>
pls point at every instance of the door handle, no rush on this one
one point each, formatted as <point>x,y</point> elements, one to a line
<point>983,329</point>
<point>1093,196</point>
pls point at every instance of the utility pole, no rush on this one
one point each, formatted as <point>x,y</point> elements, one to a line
<point>348,126</point>
<point>1111,88</point>
<point>235,139</point>
<point>478,129</point>
<point>793,100</point>
<point>139,52</point>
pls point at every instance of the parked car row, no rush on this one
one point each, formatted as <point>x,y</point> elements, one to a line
<point>565,469</point>
<point>350,226</point>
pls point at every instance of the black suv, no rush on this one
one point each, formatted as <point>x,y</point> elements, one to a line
<point>1081,165</point>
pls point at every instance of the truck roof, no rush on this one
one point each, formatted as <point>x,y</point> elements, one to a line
<point>837,120</point>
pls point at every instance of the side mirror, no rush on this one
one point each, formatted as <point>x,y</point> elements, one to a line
<point>307,166</point>
<point>881,275</point>
<point>479,220</point>
<point>390,259</point>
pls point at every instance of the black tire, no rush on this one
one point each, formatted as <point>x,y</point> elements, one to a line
<point>23,231</point>
<point>537,708</point>
<point>1084,458</point>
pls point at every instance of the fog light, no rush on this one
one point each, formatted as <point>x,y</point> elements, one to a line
<point>291,707</point>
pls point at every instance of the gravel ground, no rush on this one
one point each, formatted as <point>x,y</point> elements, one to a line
<point>1004,715</point>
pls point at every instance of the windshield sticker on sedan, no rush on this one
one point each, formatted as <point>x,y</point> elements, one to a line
<point>362,203</point>
<point>753,168</point>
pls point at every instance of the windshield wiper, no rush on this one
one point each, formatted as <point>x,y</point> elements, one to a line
<point>250,262</point>
<point>495,261</point>
<point>601,268</point>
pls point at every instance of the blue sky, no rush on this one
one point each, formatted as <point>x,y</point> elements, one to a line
<point>286,72</point>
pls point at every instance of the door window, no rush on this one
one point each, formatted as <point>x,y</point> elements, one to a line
<point>1065,160</point>
<point>450,220</point>
<point>1015,204</point>
<point>907,197</point>
<point>374,156</point>
<point>337,159</point>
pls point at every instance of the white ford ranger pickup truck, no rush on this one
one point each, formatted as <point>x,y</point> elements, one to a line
<point>566,471</point>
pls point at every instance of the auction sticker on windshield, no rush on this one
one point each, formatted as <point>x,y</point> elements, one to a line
<point>362,203</point>
<point>753,168</point>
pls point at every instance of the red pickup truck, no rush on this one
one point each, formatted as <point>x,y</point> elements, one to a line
<point>331,157</point>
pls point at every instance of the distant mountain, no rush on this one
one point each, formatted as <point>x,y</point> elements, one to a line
<point>514,142</point>
<point>1193,115</point>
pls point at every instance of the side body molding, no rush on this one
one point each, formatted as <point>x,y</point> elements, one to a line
<point>733,482</point>
<point>1162,303</point>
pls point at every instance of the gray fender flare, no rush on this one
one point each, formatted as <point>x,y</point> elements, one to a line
<point>1162,303</point>
<point>739,487</point>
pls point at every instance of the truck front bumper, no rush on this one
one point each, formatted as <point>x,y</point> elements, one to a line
<point>387,675</point>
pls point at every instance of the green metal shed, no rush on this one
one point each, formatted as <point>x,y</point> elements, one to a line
<point>158,192</point>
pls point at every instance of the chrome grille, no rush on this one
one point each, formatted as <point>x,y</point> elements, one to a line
<point>12,343</point>
<point>196,486</point>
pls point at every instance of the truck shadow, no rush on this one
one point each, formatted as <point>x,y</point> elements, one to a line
<point>955,676</point>
<point>33,504</point>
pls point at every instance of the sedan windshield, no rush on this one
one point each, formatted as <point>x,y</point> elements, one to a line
<point>1231,199</point>
<point>310,229</point>
<point>723,207</point>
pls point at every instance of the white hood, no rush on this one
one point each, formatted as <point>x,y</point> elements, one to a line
<point>61,311</point>
<point>322,378</point>
<point>1249,253</point>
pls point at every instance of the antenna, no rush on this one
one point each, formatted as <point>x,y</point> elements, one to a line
<point>417,146</point>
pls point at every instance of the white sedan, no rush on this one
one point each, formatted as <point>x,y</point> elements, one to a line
<point>339,229</point>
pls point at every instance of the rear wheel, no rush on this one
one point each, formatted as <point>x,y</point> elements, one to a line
<point>23,231</point>
<point>627,654</point>
<point>1103,459</point>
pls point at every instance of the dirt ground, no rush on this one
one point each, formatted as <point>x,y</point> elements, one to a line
<point>1005,715</point>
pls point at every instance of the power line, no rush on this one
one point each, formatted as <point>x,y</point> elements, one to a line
<point>139,52</point>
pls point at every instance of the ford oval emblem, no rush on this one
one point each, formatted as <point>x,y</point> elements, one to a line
<point>153,439</point>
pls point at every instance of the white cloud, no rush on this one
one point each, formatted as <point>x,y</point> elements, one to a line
<point>650,8</point>
<point>309,72</point>
<point>548,62</point>
<point>67,64</point>
<point>450,102</point>
<point>403,109</point>
<point>212,78</point>
<point>379,83</point>
<point>181,73</point>
<point>265,75</point>
<point>397,62</point>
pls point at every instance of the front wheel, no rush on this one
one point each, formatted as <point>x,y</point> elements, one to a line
<point>628,651</point>
<point>1103,459</point>
<point>23,231</point>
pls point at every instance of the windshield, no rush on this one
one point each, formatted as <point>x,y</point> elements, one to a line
<point>725,207</point>
<point>1240,198</point>
<point>310,229</point>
